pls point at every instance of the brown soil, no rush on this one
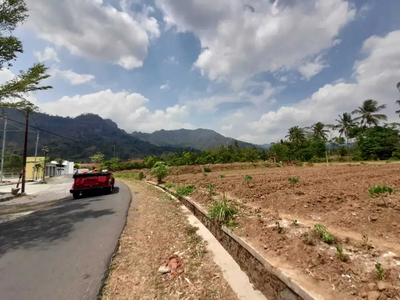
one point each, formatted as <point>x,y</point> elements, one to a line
<point>156,229</point>
<point>335,196</point>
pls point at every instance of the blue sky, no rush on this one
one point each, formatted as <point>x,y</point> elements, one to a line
<point>249,69</point>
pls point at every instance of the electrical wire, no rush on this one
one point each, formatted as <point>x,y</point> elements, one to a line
<point>37,128</point>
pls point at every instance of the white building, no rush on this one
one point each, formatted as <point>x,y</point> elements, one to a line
<point>54,169</point>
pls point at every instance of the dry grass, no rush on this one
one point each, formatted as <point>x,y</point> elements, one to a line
<point>157,229</point>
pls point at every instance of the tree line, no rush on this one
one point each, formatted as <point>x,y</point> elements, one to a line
<point>357,135</point>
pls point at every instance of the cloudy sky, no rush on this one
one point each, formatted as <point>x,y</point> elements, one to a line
<point>249,69</point>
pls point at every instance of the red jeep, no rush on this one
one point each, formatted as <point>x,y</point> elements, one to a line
<point>95,181</point>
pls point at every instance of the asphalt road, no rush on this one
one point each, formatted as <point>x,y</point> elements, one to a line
<point>62,252</point>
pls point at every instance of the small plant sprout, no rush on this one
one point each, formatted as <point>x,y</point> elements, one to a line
<point>295,223</point>
<point>278,227</point>
<point>207,169</point>
<point>365,242</point>
<point>341,255</point>
<point>247,179</point>
<point>221,176</point>
<point>210,188</point>
<point>293,180</point>
<point>379,271</point>
<point>322,231</point>
<point>204,175</point>
<point>381,190</point>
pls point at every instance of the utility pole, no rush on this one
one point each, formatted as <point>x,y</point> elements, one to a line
<point>3,149</point>
<point>45,150</point>
<point>37,143</point>
<point>25,152</point>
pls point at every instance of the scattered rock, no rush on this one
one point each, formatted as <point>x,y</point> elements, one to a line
<point>383,285</point>
<point>163,270</point>
<point>374,295</point>
<point>373,218</point>
<point>305,206</point>
<point>372,286</point>
<point>364,295</point>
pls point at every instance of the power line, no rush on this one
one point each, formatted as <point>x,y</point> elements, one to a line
<point>37,128</point>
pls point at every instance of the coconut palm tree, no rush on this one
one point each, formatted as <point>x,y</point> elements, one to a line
<point>319,132</point>
<point>345,123</point>
<point>296,135</point>
<point>369,113</point>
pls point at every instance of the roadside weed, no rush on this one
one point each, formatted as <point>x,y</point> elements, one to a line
<point>221,176</point>
<point>278,227</point>
<point>207,169</point>
<point>210,188</point>
<point>185,190</point>
<point>323,233</point>
<point>295,223</point>
<point>170,185</point>
<point>223,211</point>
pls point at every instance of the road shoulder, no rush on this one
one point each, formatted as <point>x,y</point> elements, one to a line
<point>156,229</point>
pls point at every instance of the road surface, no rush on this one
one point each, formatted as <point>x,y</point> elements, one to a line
<point>63,251</point>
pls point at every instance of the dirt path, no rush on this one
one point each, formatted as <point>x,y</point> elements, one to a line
<point>155,230</point>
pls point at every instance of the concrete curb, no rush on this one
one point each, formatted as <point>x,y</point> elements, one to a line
<point>11,197</point>
<point>270,280</point>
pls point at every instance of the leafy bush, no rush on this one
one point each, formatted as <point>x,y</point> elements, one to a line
<point>160,170</point>
<point>293,180</point>
<point>207,170</point>
<point>185,190</point>
<point>223,211</point>
<point>343,151</point>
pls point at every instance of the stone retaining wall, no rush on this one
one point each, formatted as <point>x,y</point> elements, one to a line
<point>270,281</point>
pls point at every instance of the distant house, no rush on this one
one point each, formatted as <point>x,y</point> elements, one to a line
<point>34,168</point>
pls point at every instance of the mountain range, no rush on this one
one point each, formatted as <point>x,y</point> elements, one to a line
<point>199,139</point>
<point>77,139</point>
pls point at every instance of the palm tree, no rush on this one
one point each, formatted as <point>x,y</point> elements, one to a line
<point>296,135</point>
<point>345,123</point>
<point>319,132</point>
<point>368,113</point>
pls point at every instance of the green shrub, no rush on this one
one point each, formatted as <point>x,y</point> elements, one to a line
<point>293,180</point>
<point>207,169</point>
<point>223,211</point>
<point>299,163</point>
<point>141,176</point>
<point>160,170</point>
<point>185,190</point>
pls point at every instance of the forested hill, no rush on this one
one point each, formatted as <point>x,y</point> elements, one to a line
<point>77,138</point>
<point>200,139</point>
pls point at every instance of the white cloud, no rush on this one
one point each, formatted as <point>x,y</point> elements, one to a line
<point>227,127</point>
<point>171,60</point>
<point>94,29</point>
<point>255,93</point>
<point>243,37</point>
<point>72,77</point>
<point>46,55</point>
<point>128,110</point>
<point>376,77</point>
<point>311,68</point>
<point>6,75</point>
<point>165,87</point>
